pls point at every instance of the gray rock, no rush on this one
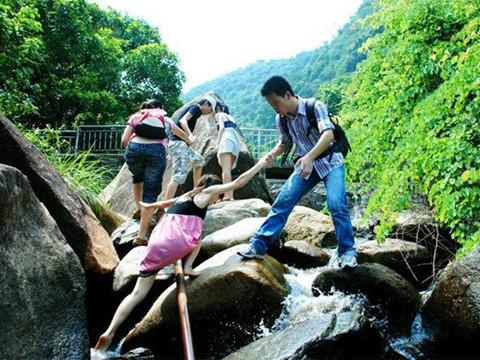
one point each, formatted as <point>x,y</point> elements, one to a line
<point>453,308</point>
<point>325,336</point>
<point>235,234</point>
<point>409,259</point>
<point>42,306</point>
<point>381,285</point>
<point>227,213</point>
<point>309,225</point>
<point>230,298</point>
<point>126,273</point>
<point>77,222</point>
<point>206,135</point>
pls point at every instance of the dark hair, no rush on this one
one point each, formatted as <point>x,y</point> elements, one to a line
<point>222,107</point>
<point>276,85</point>
<point>206,181</point>
<point>209,180</point>
<point>151,104</point>
<point>204,101</point>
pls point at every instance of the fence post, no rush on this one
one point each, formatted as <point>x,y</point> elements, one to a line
<point>77,138</point>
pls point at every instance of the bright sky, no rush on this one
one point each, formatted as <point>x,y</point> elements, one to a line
<point>214,37</point>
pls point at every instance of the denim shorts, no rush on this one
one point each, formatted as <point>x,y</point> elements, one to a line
<point>147,163</point>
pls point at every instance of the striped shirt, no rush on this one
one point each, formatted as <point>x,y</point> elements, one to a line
<point>298,127</point>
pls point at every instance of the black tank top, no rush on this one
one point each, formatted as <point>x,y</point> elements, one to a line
<point>187,208</point>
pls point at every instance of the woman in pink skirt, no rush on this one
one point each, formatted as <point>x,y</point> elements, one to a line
<point>176,235</point>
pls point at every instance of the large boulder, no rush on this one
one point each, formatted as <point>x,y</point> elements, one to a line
<point>230,297</point>
<point>206,135</point>
<point>300,254</point>
<point>309,225</point>
<point>381,285</point>
<point>75,219</point>
<point>42,306</point>
<point>227,213</point>
<point>411,260</point>
<point>324,336</point>
<point>453,308</point>
<point>235,234</point>
<point>118,195</point>
<point>126,273</point>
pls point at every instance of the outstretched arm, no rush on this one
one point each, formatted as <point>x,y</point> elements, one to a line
<point>239,182</point>
<point>277,150</point>
<point>159,204</point>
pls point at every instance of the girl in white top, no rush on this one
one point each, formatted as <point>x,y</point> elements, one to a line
<point>228,145</point>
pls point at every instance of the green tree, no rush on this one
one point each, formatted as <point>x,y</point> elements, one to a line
<point>153,69</point>
<point>413,111</point>
<point>67,62</point>
<point>21,53</point>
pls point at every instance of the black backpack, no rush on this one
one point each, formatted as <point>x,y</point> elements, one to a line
<point>340,143</point>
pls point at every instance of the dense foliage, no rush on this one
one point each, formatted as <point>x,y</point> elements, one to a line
<point>414,113</point>
<point>241,88</point>
<point>69,62</point>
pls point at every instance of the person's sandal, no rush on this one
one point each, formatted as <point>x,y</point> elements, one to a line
<point>138,241</point>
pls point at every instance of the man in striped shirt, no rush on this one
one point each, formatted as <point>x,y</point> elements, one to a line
<point>310,169</point>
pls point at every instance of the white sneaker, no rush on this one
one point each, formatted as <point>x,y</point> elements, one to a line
<point>251,253</point>
<point>348,260</point>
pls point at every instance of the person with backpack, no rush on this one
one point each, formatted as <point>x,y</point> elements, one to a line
<point>184,158</point>
<point>145,140</point>
<point>320,156</point>
<point>228,141</point>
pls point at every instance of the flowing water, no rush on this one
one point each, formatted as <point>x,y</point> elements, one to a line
<point>301,305</point>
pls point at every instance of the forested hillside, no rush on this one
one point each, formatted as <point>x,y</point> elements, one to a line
<point>413,111</point>
<point>69,62</point>
<point>241,88</point>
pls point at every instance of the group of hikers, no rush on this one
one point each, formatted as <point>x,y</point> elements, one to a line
<point>178,232</point>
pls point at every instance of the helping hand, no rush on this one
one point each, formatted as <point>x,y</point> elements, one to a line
<point>267,160</point>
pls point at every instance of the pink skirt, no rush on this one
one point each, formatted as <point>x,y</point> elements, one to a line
<point>174,237</point>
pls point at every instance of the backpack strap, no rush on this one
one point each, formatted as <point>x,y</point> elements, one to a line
<point>310,111</point>
<point>284,127</point>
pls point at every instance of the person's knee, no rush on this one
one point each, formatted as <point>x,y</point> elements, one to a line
<point>336,204</point>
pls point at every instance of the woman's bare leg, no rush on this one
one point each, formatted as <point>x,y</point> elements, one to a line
<point>197,174</point>
<point>137,193</point>
<point>171,190</point>
<point>145,217</point>
<point>226,163</point>
<point>187,267</point>
<point>142,287</point>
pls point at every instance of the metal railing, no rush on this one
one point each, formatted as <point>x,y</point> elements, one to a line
<point>106,139</point>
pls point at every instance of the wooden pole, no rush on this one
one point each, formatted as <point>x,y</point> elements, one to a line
<point>183,312</point>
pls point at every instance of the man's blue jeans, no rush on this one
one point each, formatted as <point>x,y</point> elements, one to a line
<point>292,191</point>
